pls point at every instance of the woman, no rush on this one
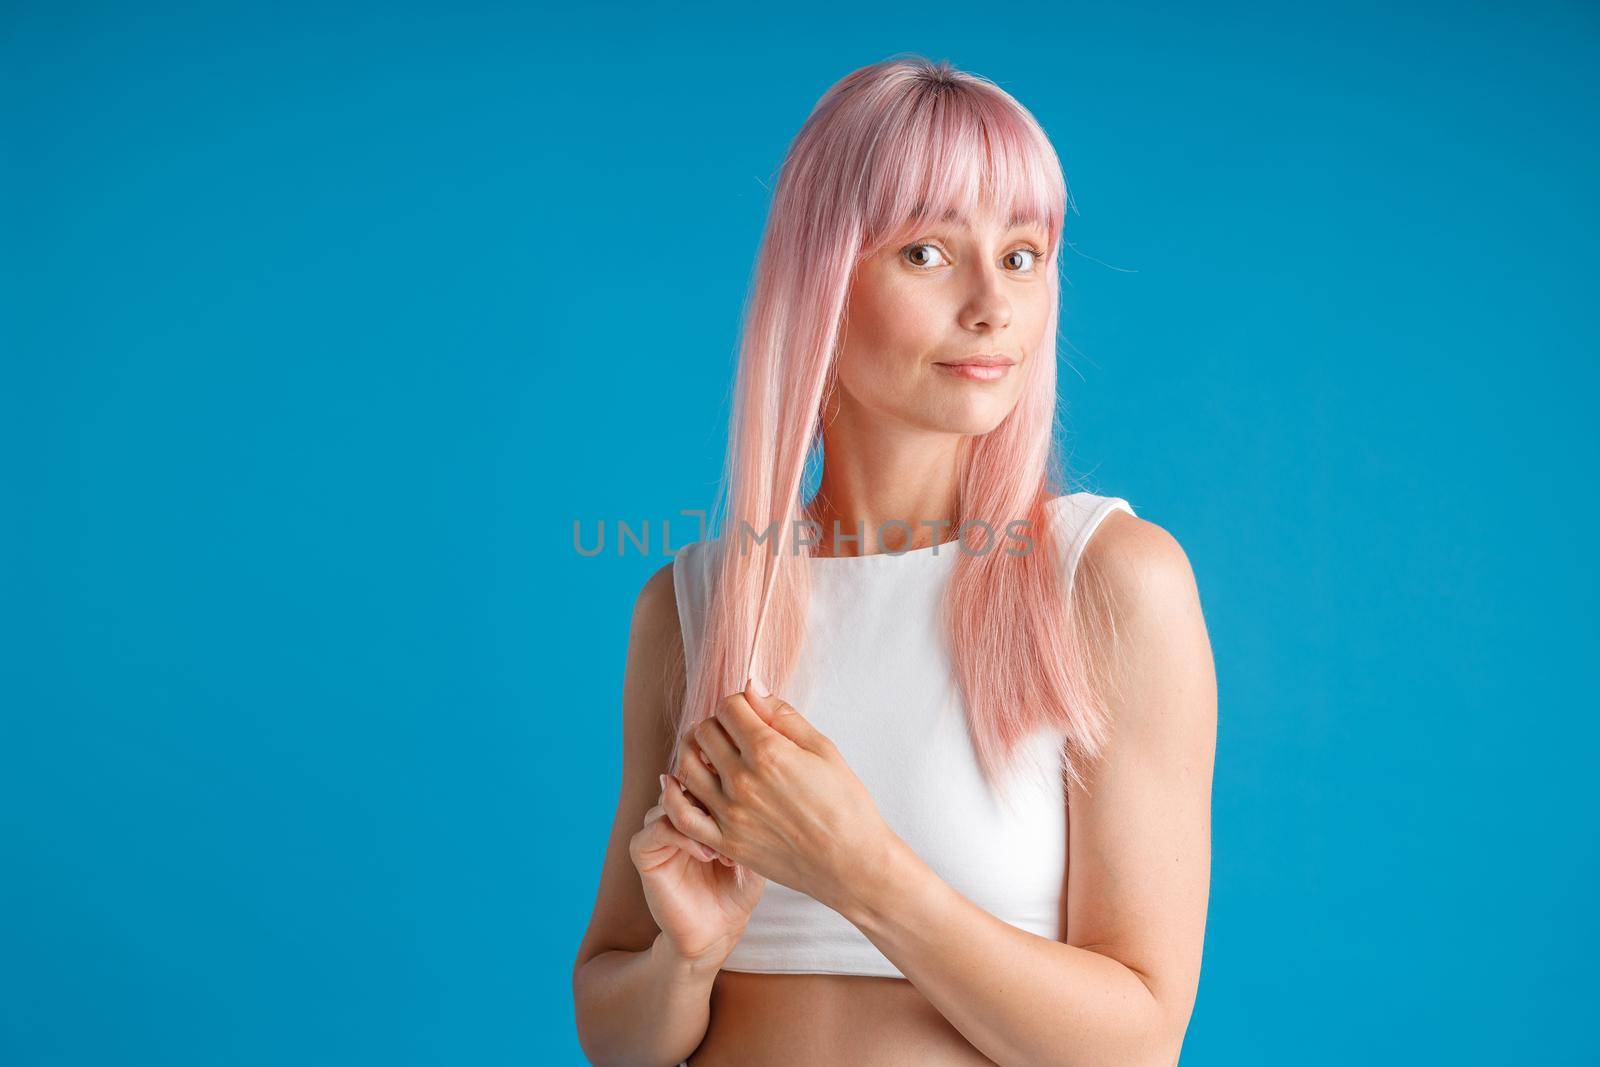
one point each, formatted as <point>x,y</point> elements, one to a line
<point>971,823</point>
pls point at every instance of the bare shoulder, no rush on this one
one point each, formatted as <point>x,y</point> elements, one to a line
<point>655,609</point>
<point>1141,564</point>
<point>1138,573</point>
<point>1151,630</point>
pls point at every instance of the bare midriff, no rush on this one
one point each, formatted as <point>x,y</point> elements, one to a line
<point>821,1020</point>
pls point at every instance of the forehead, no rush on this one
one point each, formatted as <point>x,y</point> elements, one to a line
<point>970,217</point>
<point>1018,217</point>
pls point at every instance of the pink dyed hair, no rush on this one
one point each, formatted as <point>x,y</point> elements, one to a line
<point>888,148</point>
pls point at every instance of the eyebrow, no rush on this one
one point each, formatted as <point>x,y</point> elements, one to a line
<point>1016,220</point>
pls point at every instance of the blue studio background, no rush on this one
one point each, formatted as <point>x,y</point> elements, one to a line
<point>323,325</point>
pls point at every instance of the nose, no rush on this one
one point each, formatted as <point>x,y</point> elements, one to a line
<point>986,308</point>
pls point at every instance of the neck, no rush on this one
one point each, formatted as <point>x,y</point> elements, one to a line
<point>873,481</point>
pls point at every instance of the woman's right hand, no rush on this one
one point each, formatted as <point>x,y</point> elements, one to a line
<point>698,903</point>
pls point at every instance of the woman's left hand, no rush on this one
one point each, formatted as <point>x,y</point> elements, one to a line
<point>779,799</point>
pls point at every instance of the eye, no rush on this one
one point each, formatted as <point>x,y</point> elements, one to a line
<point>926,248</point>
<point>1034,256</point>
<point>912,249</point>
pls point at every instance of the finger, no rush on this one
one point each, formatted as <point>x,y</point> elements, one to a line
<point>659,811</point>
<point>758,695</point>
<point>701,781</point>
<point>688,795</point>
<point>765,704</point>
<point>683,786</point>
<point>713,740</point>
<point>744,725</point>
<point>692,743</point>
<point>663,834</point>
<point>784,718</point>
<point>689,819</point>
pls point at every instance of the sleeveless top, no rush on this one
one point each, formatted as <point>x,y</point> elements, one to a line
<point>875,676</point>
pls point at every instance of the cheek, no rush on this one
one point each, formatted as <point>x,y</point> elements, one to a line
<point>1032,315</point>
<point>888,336</point>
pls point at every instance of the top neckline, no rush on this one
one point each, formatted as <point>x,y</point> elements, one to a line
<point>943,550</point>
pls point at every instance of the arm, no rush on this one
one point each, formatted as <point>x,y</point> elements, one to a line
<point>649,1007</point>
<point>636,1001</point>
<point>1121,989</point>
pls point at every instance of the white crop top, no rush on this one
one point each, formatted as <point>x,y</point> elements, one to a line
<point>912,751</point>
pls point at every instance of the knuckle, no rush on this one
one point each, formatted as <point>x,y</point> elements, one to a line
<point>762,757</point>
<point>737,784</point>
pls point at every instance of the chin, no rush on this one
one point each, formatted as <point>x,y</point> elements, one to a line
<point>971,423</point>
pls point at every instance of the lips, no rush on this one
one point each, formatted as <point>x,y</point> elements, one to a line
<point>980,361</point>
<point>977,370</point>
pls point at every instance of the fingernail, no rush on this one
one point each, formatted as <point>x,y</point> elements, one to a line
<point>759,686</point>
<point>663,780</point>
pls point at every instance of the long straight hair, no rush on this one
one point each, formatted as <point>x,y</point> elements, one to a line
<point>889,148</point>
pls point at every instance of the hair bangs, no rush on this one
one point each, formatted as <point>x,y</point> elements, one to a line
<point>954,150</point>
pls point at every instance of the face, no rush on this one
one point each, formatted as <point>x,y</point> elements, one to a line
<point>953,292</point>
